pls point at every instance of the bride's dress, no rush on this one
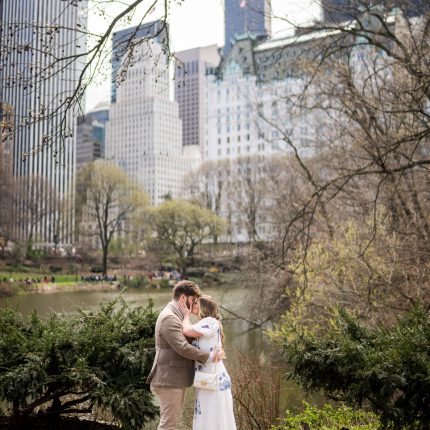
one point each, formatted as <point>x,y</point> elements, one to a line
<point>213,410</point>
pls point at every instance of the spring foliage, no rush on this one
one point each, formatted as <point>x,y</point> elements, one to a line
<point>73,366</point>
<point>328,418</point>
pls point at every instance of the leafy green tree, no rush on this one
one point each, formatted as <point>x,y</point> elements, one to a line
<point>54,368</point>
<point>111,199</point>
<point>183,226</point>
<point>384,369</point>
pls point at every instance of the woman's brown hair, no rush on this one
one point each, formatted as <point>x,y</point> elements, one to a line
<point>209,308</point>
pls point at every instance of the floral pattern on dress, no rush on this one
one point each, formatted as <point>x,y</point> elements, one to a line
<point>197,408</point>
<point>224,382</point>
<point>213,410</point>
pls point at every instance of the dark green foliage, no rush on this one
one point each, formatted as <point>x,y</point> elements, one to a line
<point>73,365</point>
<point>387,370</point>
<point>195,272</point>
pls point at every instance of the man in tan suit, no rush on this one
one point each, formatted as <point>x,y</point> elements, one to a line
<point>173,368</point>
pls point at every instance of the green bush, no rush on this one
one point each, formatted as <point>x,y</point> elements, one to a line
<point>19,268</point>
<point>35,254</point>
<point>55,269</point>
<point>329,418</point>
<point>387,370</point>
<point>195,272</point>
<point>164,283</point>
<point>71,366</point>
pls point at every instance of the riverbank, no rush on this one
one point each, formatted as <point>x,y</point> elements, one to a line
<point>24,283</point>
<point>12,289</point>
<point>55,288</point>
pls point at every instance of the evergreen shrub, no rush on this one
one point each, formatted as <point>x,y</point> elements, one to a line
<point>78,364</point>
<point>384,369</point>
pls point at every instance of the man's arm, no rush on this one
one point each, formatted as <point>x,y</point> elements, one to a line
<point>171,330</point>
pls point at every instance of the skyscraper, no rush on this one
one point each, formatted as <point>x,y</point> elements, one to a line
<point>190,91</point>
<point>246,17</point>
<point>37,36</point>
<point>144,132</point>
<point>122,40</point>
<point>91,135</point>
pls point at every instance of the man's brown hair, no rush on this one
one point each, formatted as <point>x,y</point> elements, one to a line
<point>186,287</point>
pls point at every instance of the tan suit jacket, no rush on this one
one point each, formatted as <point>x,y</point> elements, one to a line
<point>174,357</point>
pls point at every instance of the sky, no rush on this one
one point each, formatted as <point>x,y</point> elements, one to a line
<point>195,23</point>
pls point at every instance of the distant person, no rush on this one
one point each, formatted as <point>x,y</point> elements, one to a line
<point>213,410</point>
<point>173,368</point>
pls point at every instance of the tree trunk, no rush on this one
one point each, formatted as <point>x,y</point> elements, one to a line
<point>104,259</point>
<point>29,248</point>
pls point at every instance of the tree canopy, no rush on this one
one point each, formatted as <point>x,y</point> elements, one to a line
<point>183,226</point>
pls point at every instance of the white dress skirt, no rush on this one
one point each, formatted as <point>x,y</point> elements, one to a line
<point>213,410</point>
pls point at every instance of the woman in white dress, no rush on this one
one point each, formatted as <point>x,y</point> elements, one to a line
<point>213,410</point>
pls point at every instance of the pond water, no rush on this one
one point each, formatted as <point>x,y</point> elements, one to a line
<point>238,336</point>
<point>237,333</point>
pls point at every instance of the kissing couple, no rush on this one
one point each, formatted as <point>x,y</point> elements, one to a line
<point>184,348</point>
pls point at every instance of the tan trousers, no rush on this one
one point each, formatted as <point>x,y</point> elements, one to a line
<point>171,402</point>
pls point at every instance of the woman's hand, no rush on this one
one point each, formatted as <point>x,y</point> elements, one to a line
<point>184,309</point>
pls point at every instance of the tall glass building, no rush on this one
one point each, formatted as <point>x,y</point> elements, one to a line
<point>246,17</point>
<point>37,77</point>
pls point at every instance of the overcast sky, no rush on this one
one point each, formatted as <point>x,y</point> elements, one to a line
<point>196,23</point>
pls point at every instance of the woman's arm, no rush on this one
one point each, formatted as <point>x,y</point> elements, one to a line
<point>187,327</point>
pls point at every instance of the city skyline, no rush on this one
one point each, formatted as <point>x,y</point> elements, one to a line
<point>197,24</point>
